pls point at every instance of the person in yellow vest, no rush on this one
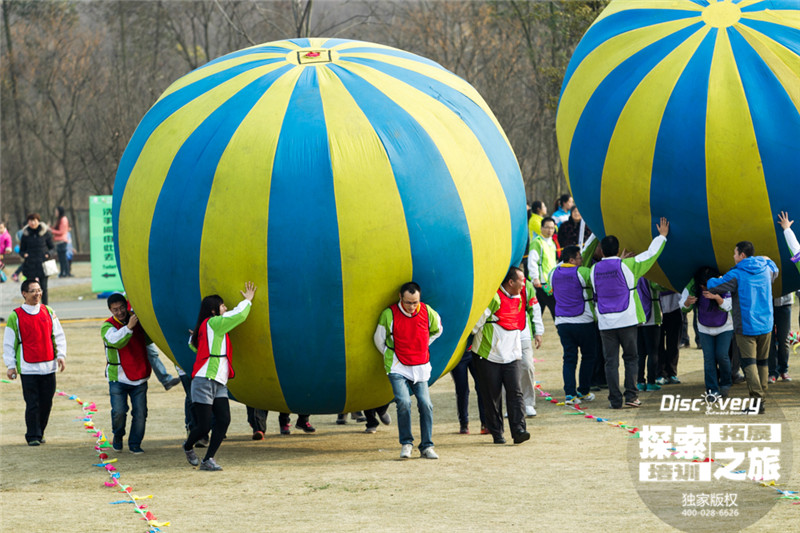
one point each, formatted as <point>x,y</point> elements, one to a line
<point>405,331</point>
<point>127,369</point>
<point>542,259</point>
<point>34,345</point>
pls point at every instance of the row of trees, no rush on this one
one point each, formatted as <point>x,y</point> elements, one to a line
<point>77,76</point>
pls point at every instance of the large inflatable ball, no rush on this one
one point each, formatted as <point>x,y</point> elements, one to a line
<point>687,109</point>
<point>328,172</point>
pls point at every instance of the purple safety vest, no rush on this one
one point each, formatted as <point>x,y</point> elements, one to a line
<point>645,296</point>
<point>568,292</point>
<point>709,314</point>
<point>610,287</point>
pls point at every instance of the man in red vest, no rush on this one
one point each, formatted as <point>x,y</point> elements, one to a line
<point>127,370</point>
<point>33,347</point>
<point>498,345</point>
<point>405,330</point>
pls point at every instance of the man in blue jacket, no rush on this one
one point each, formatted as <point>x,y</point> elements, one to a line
<point>750,285</point>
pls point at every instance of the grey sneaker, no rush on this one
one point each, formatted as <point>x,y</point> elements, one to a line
<point>171,383</point>
<point>191,456</point>
<point>371,430</point>
<point>405,451</point>
<point>210,465</point>
<point>428,453</point>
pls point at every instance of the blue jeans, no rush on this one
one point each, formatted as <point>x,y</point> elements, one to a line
<point>715,353</point>
<point>402,389</point>
<point>573,337</point>
<point>158,367</point>
<point>119,393</point>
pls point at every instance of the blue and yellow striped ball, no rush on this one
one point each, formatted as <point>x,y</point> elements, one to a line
<point>328,172</point>
<point>688,109</point>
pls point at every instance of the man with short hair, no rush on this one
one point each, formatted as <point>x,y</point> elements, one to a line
<point>127,370</point>
<point>575,320</point>
<point>750,285</point>
<point>34,345</point>
<point>498,346</point>
<point>405,331</point>
<point>619,310</point>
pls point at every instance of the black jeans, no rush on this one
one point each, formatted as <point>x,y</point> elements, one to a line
<point>459,373</point>
<point>38,391</point>
<point>492,377</point>
<point>668,350</point>
<point>648,352</point>
<point>779,347</point>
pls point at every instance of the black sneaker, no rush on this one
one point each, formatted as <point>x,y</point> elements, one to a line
<point>136,450</point>
<point>34,442</point>
<point>519,438</point>
<point>171,383</point>
<point>305,426</point>
<point>341,419</point>
<point>499,439</point>
<point>117,444</point>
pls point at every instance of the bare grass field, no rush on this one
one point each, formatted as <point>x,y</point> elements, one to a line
<point>572,475</point>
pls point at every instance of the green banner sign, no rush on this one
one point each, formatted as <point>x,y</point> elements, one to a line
<point>105,274</point>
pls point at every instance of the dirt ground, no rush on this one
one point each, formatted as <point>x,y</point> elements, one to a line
<point>574,474</point>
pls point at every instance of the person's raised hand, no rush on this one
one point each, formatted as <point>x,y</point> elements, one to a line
<point>783,220</point>
<point>663,227</point>
<point>249,291</point>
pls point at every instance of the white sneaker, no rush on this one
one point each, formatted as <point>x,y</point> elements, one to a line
<point>530,411</point>
<point>428,453</point>
<point>405,451</point>
<point>587,397</point>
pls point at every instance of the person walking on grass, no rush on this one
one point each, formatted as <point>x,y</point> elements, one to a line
<point>405,331</point>
<point>34,346</point>
<point>213,367</point>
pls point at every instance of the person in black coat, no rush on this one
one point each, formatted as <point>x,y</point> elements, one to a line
<point>36,247</point>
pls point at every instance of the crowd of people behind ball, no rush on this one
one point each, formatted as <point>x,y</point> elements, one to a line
<point>599,298</point>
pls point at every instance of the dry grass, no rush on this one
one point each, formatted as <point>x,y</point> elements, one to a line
<point>573,474</point>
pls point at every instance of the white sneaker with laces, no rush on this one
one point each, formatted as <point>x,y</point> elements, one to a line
<point>405,451</point>
<point>428,453</point>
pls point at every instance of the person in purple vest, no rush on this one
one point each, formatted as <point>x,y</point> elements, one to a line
<point>575,320</point>
<point>649,334</point>
<point>750,284</point>
<point>619,310</point>
<point>405,331</point>
<point>715,327</point>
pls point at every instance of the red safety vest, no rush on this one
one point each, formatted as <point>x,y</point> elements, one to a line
<point>36,335</point>
<point>203,353</point>
<point>411,335</point>
<point>511,315</point>
<point>133,356</point>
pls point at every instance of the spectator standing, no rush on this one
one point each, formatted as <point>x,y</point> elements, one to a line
<point>36,247</point>
<point>61,238</point>
<point>563,206</point>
